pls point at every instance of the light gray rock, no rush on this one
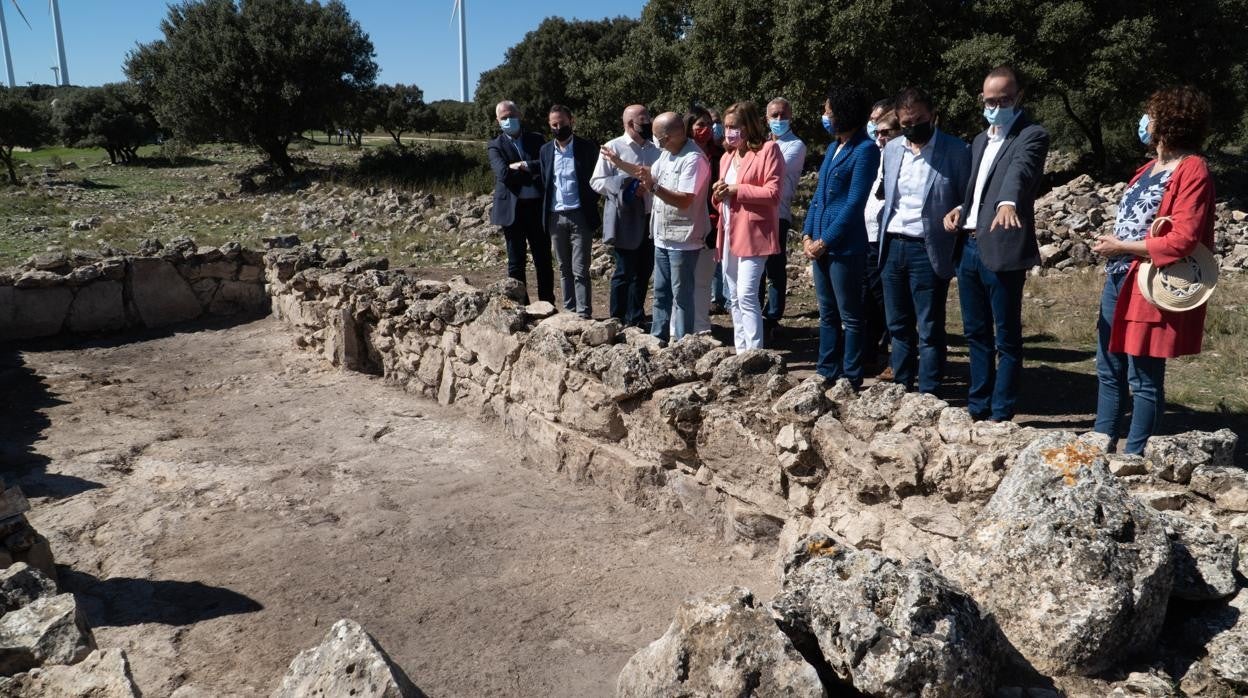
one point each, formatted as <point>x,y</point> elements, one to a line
<point>918,410</point>
<point>49,630</point>
<point>1204,559</point>
<point>748,370</point>
<point>1173,458</point>
<point>539,309</point>
<point>101,674</point>
<point>954,425</point>
<point>349,662</point>
<point>805,403</point>
<point>161,296</point>
<point>889,628</point>
<point>720,644</point>
<point>21,584</point>
<point>26,313</point>
<point>1217,636</point>
<point>1123,464</point>
<point>1227,487</point>
<point>97,307</point>
<point>1075,569</point>
<point>899,458</point>
<point>877,403</point>
<point>492,336</point>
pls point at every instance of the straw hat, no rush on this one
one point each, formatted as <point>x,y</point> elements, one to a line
<point>1181,285</point>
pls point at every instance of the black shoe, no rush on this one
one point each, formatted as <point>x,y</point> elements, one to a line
<point>718,309</point>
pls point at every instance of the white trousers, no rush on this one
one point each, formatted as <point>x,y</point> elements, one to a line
<point>741,280</point>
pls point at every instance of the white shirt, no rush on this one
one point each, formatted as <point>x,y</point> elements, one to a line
<point>907,218</point>
<point>609,180</point>
<point>730,178</point>
<point>794,152</point>
<point>567,194</point>
<point>996,138</point>
<point>872,211</point>
<point>686,172</point>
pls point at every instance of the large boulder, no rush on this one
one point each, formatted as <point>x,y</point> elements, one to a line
<point>887,627</point>
<point>1076,571</point>
<point>102,674</point>
<point>1214,637</point>
<point>349,662</point>
<point>33,312</point>
<point>720,644</point>
<point>161,296</point>
<point>49,630</point>
<point>97,307</point>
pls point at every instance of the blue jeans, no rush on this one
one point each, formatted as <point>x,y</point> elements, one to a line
<point>992,320</point>
<point>776,278</point>
<point>1115,372</point>
<point>838,289</point>
<point>629,283</point>
<point>718,293</point>
<point>673,281</point>
<point>914,302</point>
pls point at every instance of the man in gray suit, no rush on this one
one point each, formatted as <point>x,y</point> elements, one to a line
<point>997,227</point>
<point>925,174</point>
<point>626,215</point>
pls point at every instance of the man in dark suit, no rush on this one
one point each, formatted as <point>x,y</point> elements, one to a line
<point>925,173</point>
<point>518,199</point>
<point>997,225</point>
<point>570,206</point>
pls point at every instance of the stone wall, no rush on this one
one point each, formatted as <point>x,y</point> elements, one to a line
<point>87,292</point>
<point>735,441</point>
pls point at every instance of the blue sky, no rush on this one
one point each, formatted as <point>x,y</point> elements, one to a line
<point>414,39</point>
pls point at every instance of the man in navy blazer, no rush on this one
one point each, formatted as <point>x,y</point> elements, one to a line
<point>997,228</point>
<point>570,206</point>
<point>925,173</point>
<point>518,200</point>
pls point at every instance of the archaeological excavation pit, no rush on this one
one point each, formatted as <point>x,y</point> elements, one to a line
<point>228,452</point>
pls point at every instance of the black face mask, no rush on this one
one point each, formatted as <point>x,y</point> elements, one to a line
<point>562,133</point>
<point>919,133</point>
<point>646,130</point>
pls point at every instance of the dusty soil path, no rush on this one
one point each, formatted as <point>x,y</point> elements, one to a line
<point>218,499</point>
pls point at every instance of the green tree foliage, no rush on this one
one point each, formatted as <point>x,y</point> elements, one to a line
<point>452,116</point>
<point>541,69</point>
<point>402,108</point>
<point>109,117</point>
<point>24,123</point>
<point>253,71</point>
<point>1089,64</point>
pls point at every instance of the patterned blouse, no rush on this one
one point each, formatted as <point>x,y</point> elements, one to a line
<point>1140,203</point>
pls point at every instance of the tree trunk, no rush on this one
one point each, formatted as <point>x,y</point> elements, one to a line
<point>112,156</point>
<point>276,150</point>
<point>6,154</point>
<point>397,136</point>
<point>1091,130</point>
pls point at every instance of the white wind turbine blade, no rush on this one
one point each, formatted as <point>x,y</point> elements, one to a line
<point>21,14</point>
<point>454,9</point>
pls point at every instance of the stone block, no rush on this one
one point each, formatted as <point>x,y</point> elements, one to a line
<point>97,307</point>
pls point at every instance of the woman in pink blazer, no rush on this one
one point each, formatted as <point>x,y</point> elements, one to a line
<point>748,194</point>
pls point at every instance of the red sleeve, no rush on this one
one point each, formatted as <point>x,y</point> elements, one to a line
<point>771,171</point>
<point>1190,210</point>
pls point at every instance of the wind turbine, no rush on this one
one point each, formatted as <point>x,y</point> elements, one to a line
<point>4,38</point>
<point>463,49</point>
<point>63,72</point>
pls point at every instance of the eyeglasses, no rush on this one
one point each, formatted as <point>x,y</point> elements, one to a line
<point>886,132</point>
<point>994,103</point>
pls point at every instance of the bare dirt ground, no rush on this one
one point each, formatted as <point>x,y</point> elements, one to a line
<point>217,500</point>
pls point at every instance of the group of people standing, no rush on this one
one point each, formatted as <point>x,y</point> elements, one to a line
<point>900,209</point>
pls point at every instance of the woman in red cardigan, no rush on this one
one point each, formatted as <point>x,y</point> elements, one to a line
<point>748,193</point>
<point>1135,336</point>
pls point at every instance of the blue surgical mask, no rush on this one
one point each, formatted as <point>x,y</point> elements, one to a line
<point>1145,137</point>
<point>871,130</point>
<point>828,124</point>
<point>998,116</point>
<point>717,131</point>
<point>779,126</point>
<point>510,125</point>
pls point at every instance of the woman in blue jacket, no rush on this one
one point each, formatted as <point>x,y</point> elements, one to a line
<point>836,234</point>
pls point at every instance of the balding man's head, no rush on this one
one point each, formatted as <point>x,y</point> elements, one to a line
<point>637,122</point>
<point>669,131</point>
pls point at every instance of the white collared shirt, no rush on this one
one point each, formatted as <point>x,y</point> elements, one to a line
<point>996,139</point>
<point>794,152</point>
<point>609,180</point>
<point>567,195</point>
<point>907,218</point>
